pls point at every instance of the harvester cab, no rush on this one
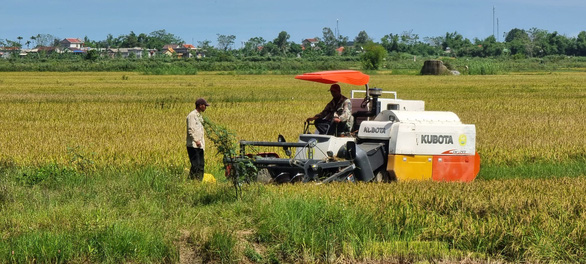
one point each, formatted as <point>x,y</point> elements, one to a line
<point>392,139</point>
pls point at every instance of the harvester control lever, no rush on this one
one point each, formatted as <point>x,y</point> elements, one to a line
<point>365,102</point>
<point>306,125</point>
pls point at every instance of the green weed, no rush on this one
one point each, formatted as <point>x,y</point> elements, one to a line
<point>221,245</point>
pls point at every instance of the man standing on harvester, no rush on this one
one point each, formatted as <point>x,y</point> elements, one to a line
<point>196,139</point>
<point>336,118</point>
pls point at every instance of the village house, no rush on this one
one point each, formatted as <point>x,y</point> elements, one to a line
<point>135,52</point>
<point>169,49</point>
<point>6,52</point>
<point>309,43</point>
<point>71,44</point>
<point>48,50</point>
<point>181,51</point>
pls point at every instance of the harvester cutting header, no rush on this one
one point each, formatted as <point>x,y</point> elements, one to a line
<point>387,139</point>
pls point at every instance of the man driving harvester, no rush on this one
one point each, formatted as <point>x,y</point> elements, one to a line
<point>336,118</point>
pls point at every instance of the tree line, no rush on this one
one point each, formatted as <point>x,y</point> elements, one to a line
<point>518,42</point>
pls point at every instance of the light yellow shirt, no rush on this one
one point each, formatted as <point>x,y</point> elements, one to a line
<point>195,131</point>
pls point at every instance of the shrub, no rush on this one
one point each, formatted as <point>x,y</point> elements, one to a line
<point>373,56</point>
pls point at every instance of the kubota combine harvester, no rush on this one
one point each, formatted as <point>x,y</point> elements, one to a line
<point>393,139</point>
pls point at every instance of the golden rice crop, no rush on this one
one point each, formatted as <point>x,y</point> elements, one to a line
<point>521,219</point>
<point>126,119</point>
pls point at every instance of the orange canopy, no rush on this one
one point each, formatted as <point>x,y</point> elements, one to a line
<point>331,77</point>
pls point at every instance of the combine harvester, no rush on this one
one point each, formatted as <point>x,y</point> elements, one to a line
<point>392,139</point>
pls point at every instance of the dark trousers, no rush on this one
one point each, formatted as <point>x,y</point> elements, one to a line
<point>328,127</point>
<point>197,163</point>
<point>322,125</point>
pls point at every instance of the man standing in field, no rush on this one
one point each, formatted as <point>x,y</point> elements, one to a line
<point>336,118</point>
<point>196,139</point>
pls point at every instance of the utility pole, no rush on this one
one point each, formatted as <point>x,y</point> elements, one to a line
<point>493,11</point>
<point>497,30</point>
<point>337,33</point>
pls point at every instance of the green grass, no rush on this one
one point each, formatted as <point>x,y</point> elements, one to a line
<point>220,246</point>
<point>115,243</point>
<point>109,215</point>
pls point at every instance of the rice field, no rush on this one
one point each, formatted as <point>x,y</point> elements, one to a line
<point>93,169</point>
<point>131,119</point>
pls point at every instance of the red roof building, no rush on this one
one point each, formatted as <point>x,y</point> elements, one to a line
<point>71,43</point>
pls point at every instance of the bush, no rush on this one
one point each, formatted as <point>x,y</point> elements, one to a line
<point>373,56</point>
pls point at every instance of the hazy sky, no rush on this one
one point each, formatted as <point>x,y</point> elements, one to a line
<point>196,20</point>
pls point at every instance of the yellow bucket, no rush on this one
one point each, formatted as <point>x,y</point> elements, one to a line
<point>208,178</point>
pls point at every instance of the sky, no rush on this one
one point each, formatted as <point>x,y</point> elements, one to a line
<point>199,20</point>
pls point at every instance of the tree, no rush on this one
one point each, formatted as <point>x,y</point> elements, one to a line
<point>425,49</point>
<point>225,42</point>
<point>206,47</point>
<point>517,40</point>
<point>295,48</point>
<point>13,44</point>
<point>455,42</point>
<point>390,42</point>
<point>408,38</point>
<point>282,42</point>
<point>581,44</point>
<point>329,41</point>
<point>130,40</point>
<point>342,40</point>
<point>110,41</point>
<point>516,33</point>
<point>142,39</point>
<point>205,44</point>
<point>373,56</point>
<point>88,42</point>
<point>94,43</point>
<point>269,49</point>
<point>34,38</point>
<point>362,39</point>
<point>557,44</point>
<point>253,46</point>
<point>490,47</point>
<point>537,42</point>
<point>434,41</point>
<point>159,38</point>
<point>92,55</point>
<point>406,42</point>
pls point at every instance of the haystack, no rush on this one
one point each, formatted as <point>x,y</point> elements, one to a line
<point>434,67</point>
